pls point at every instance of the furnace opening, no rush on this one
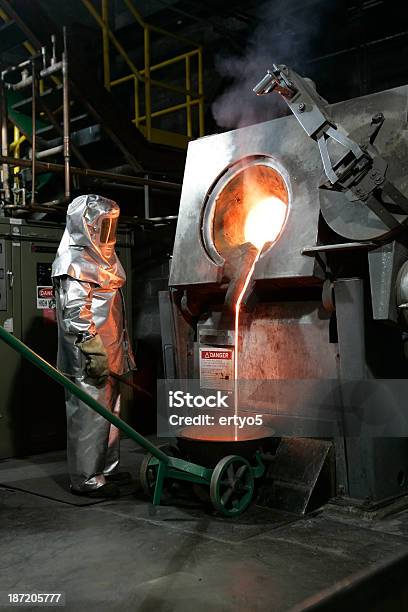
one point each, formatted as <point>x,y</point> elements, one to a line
<point>265,221</point>
<point>250,205</point>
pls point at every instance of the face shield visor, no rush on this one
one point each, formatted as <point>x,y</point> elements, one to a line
<point>108,230</point>
<point>107,236</point>
<point>101,218</point>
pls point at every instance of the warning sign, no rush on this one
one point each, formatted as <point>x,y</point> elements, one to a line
<point>216,368</point>
<point>45,297</point>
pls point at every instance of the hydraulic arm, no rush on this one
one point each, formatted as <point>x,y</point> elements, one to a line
<point>360,173</point>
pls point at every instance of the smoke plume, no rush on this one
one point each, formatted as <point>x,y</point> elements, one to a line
<point>273,41</point>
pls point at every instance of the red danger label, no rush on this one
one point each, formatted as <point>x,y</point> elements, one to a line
<point>46,293</point>
<point>216,354</point>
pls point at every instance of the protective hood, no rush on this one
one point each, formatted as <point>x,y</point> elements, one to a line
<point>87,248</point>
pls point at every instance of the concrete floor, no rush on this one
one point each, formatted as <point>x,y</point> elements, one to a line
<point>127,555</point>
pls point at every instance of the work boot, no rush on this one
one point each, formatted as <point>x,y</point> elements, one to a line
<point>107,491</point>
<point>119,478</point>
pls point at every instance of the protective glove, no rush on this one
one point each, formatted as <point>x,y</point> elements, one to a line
<point>96,359</point>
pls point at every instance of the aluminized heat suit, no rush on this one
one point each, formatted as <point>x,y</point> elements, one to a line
<point>87,277</point>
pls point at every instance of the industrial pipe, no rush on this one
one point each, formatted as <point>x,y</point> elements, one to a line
<point>48,152</point>
<point>65,103</point>
<point>4,140</point>
<point>34,129</point>
<point>68,384</point>
<point>49,167</point>
<point>28,81</point>
<point>123,186</point>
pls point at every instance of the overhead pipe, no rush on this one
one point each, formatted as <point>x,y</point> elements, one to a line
<point>4,140</point>
<point>34,128</point>
<point>42,74</point>
<point>124,187</point>
<point>48,152</point>
<point>65,102</point>
<point>101,174</point>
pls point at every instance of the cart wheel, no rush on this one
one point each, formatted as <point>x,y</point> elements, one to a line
<point>232,485</point>
<point>148,473</point>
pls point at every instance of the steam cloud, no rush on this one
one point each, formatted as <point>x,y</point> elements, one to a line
<point>271,42</point>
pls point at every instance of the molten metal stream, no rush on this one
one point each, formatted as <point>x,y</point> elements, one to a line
<point>237,311</point>
<point>264,223</point>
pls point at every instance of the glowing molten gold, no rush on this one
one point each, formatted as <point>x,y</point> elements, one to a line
<point>265,221</point>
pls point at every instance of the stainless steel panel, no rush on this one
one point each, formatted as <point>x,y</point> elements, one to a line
<point>384,265</point>
<point>298,157</point>
<point>208,158</point>
<point>281,341</point>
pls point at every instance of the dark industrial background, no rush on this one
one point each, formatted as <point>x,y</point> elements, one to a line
<point>348,48</point>
<point>206,56</point>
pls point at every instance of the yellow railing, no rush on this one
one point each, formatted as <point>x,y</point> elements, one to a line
<point>142,78</point>
<point>15,145</point>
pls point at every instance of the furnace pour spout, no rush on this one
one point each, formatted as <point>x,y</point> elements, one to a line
<point>237,269</point>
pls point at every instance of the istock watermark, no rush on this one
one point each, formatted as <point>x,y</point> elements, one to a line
<point>204,408</point>
<point>180,399</point>
<point>322,408</point>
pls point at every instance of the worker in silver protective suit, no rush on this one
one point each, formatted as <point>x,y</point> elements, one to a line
<point>92,340</point>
